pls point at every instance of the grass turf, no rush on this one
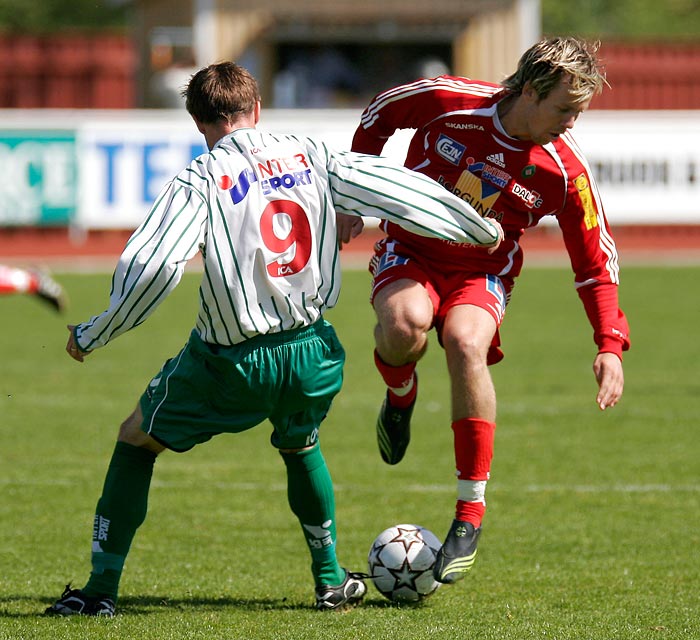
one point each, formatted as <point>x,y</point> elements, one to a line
<point>593,519</point>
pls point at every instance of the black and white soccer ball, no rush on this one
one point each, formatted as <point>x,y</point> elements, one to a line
<point>401,562</point>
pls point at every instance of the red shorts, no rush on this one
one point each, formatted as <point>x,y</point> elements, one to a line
<point>447,287</point>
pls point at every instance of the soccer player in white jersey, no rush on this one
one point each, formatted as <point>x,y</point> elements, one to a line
<point>261,210</point>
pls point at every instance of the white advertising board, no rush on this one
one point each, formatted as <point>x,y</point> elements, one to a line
<point>647,163</point>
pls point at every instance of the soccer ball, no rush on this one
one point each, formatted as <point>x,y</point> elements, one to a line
<point>401,562</point>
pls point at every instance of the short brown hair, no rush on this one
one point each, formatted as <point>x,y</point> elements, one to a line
<point>221,91</point>
<point>545,63</point>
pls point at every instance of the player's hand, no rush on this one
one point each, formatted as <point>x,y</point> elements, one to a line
<point>348,227</point>
<point>497,243</point>
<point>607,368</point>
<point>72,348</point>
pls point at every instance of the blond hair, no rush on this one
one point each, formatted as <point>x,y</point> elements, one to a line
<point>544,64</point>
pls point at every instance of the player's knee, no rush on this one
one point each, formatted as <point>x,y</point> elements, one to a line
<point>130,432</point>
<point>405,330</point>
<point>466,345</point>
<point>406,315</point>
<point>402,339</point>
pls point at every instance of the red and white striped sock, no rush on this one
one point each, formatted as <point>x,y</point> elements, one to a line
<point>401,382</point>
<point>473,445</point>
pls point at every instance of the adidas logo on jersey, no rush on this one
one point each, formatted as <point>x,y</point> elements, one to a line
<point>497,158</point>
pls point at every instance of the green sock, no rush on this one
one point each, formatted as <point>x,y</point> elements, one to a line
<point>310,495</point>
<point>120,511</point>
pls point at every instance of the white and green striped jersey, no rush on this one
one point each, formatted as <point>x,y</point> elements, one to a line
<point>261,210</point>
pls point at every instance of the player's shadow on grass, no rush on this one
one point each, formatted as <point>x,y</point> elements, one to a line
<point>137,605</point>
<point>148,605</point>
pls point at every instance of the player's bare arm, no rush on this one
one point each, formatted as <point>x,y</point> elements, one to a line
<point>607,368</point>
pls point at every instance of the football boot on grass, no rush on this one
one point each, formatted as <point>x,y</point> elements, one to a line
<point>74,602</point>
<point>458,553</point>
<point>350,591</point>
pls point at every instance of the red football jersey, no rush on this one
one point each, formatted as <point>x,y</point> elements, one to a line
<point>460,142</point>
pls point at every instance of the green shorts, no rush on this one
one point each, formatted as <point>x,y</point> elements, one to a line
<point>289,378</point>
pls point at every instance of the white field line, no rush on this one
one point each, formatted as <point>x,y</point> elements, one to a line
<point>567,488</point>
<point>409,488</point>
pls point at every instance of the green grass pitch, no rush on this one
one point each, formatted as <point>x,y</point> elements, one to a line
<point>593,523</point>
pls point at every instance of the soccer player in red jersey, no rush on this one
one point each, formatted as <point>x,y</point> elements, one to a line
<point>507,150</point>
